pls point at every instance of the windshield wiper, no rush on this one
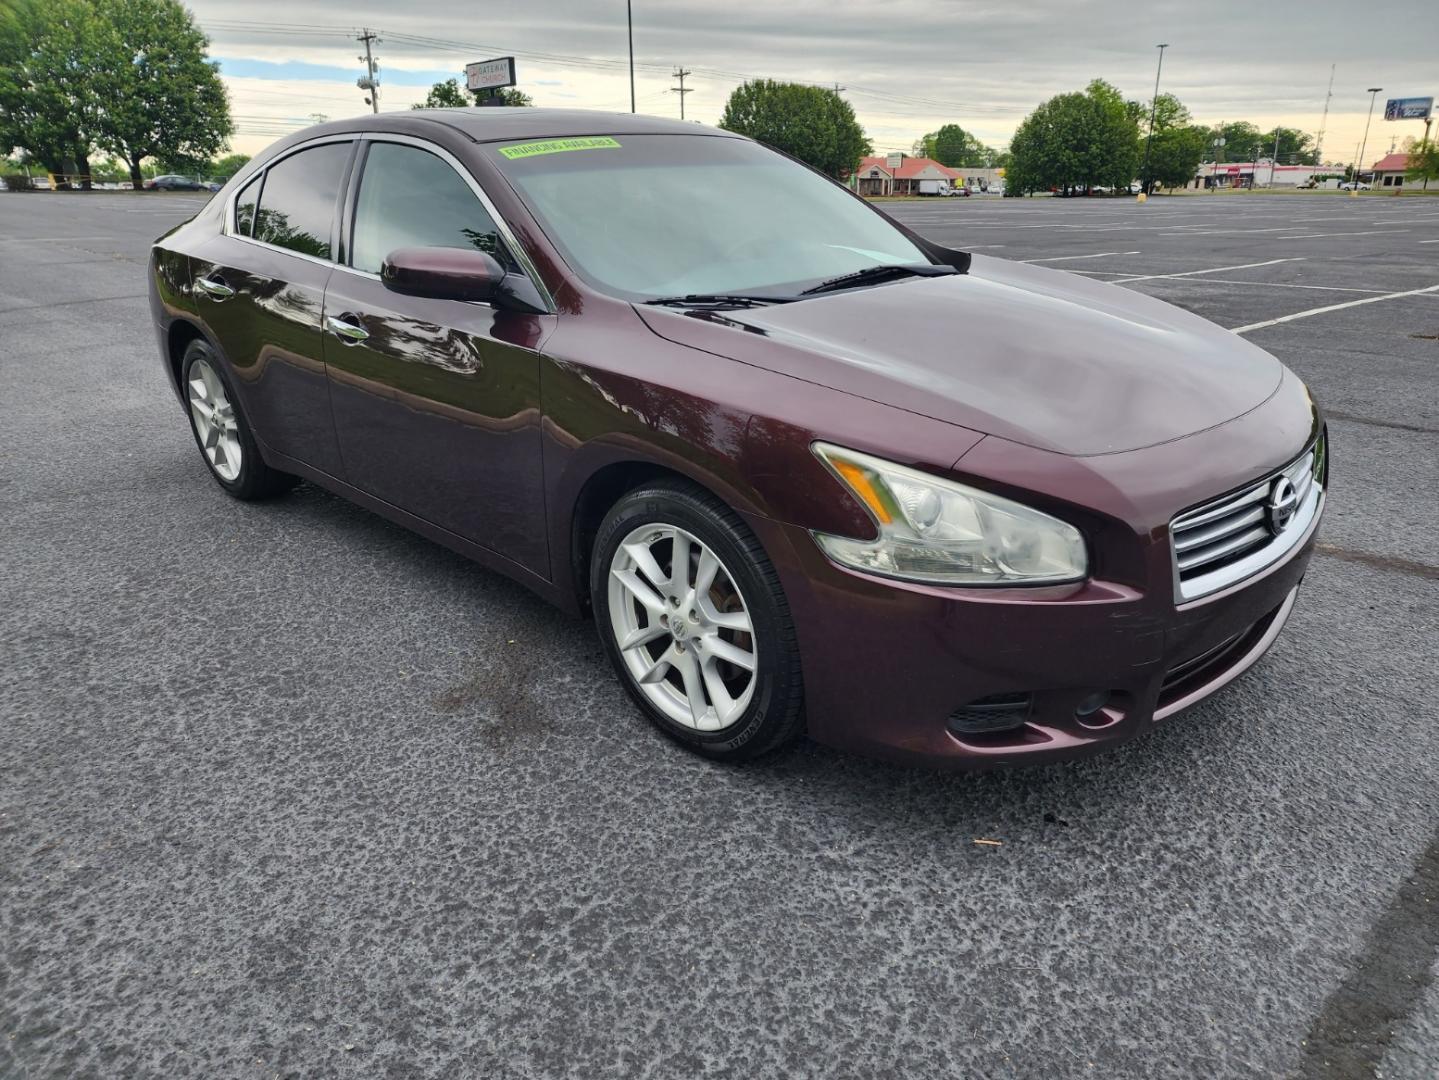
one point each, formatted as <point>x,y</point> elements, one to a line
<point>718,300</point>
<point>872,274</point>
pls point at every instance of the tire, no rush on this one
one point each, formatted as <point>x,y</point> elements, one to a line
<point>747,712</point>
<point>205,386</point>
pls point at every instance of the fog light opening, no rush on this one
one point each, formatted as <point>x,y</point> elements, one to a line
<point>1092,704</point>
<point>995,713</point>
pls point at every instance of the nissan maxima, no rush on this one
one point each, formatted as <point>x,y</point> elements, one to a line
<point>807,470</point>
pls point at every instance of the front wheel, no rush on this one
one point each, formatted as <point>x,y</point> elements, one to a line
<point>693,618</point>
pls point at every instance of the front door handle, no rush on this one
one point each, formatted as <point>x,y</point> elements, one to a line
<point>347,328</point>
<point>216,288</point>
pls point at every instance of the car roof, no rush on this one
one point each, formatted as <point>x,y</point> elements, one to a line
<point>509,124</point>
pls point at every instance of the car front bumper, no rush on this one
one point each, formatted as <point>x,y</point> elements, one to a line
<point>887,664</point>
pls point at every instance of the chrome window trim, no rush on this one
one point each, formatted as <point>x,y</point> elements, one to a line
<point>1294,536</point>
<point>527,267</point>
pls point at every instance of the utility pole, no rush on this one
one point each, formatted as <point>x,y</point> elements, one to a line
<point>1364,145</point>
<point>1274,157</point>
<point>1153,111</point>
<point>681,89</point>
<point>1324,121</point>
<point>368,81</point>
<point>630,23</point>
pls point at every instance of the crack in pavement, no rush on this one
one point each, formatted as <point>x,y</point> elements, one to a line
<point>1381,562</point>
<point>1354,1028</point>
<point>1354,418</point>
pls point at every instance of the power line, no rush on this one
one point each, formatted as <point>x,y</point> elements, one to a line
<point>469,48</point>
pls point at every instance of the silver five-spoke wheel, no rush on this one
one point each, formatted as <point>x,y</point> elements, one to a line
<point>215,421</point>
<point>682,627</point>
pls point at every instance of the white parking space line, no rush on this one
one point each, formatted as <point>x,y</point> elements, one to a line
<point>1069,258</point>
<point>1283,285</point>
<point>1211,270</point>
<point>1362,232</point>
<point>1429,241</point>
<point>1333,307</point>
<point>50,239</point>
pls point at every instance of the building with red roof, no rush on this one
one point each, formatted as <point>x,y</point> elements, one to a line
<point>875,177</point>
<point>1389,170</point>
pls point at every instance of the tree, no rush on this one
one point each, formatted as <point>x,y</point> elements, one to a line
<point>956,148</point>
<point>1075,141</point>
<point>1293,147</point>
<point>163,98</point>
<point>1241,142</point>
<point>450,95</point>
<point>1423,163</point>
<point>1178,145</point>
<point>807,122</point>
<point>228,166</point>
<point>445,95</point>
<point>48,105</point>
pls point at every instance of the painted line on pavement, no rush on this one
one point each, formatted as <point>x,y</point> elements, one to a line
<point>1333,307</point>
<point>1211,270</point>
<point>1068,258</point>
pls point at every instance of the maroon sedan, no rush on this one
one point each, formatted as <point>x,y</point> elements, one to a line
<point>808,470</point>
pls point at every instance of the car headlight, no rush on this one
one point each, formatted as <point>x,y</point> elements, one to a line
<point>942,532</point>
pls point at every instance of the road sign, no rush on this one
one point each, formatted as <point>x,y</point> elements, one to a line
<point>1408,108</point>
<point>490,74</point>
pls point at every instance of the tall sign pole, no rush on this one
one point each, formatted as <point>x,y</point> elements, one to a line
<point>1364,145</point>
<point>630,23</point>
<point>1153,112</point>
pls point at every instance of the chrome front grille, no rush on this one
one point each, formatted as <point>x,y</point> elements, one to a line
<point>1237,535</point>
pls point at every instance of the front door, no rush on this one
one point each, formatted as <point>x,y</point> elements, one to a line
<point>260,290</point>
<point>436,402</point>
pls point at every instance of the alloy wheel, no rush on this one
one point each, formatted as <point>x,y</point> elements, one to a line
<point>215,420</point>
<point>682,627</point>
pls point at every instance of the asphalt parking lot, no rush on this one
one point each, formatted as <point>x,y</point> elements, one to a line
<point>288,791</point>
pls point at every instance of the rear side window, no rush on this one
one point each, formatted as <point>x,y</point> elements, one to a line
<point>245,207</point>
<point>411,198</point>
<point>297,203</point>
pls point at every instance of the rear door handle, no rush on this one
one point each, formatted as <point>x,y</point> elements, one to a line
<point>347,328</point>
<point>215,287</point>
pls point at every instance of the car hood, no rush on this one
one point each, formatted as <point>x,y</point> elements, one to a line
<point>1038,356</point>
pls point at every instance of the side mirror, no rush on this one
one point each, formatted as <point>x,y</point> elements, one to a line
<point>442,273</point>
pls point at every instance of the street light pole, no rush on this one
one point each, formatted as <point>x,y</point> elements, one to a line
<point>1153,111</point>
<point>630,23</point>
<point>1373,92</point>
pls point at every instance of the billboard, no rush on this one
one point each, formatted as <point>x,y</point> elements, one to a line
<point>1408,108</point>
<point>490,74</point>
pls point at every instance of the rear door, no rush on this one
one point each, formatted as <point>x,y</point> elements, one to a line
<point>436,402</point>
<point>260,288</point>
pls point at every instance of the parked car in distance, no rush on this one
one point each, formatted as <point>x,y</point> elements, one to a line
<point>172,182</point>
<point>958,190</point>
<point>1350,185</point>
<point>806,469</point>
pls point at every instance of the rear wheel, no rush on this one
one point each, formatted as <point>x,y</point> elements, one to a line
<point>693,617</point>
<point>221,431</point>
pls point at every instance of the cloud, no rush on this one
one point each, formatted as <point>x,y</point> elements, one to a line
<point>907,65</point>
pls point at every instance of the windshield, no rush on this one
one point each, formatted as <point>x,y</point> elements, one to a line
<point>651,216</point>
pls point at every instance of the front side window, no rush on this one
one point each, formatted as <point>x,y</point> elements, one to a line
<point>411,198</point>
<point>648,216</point>
<point>297,203</point>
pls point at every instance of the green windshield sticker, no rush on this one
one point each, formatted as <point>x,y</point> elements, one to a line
<point>559,146</point>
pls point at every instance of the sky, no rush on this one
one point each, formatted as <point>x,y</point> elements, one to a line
<point>907,66</point>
